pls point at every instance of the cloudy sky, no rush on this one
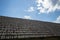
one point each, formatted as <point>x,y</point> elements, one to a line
<point>42,10</point>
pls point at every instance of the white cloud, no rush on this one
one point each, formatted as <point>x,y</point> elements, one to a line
<point>27,17</point>
<point>57,20</point>
<point>30,9</point>
<point>46,6</point>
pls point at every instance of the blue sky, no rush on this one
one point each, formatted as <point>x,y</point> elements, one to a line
<point>42,10</point>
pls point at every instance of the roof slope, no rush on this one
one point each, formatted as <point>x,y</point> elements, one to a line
<point>23,28</point>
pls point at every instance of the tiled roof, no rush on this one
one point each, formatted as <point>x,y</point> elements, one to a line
<point>24,28</point>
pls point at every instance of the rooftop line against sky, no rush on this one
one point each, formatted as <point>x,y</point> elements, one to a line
<point>43,10</point>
